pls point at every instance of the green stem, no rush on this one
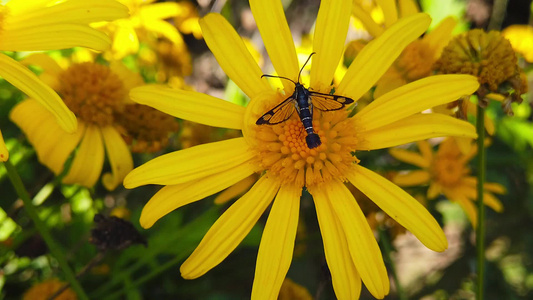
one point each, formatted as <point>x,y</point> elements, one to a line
<point>43,230</point>
<point>480,232</point>
<point>387,249</point>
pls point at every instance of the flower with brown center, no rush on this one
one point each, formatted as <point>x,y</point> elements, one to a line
<point>96,94</point>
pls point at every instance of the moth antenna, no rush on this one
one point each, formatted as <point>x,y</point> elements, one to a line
<point>304,65</point>
<point>281,77</point>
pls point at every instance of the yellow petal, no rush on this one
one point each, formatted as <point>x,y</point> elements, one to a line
<point>415,128</point>
<point>489,125</point>
<point>53,36</point>
<point>328,42</point>
<point>346,281</point>
<point>277,37</point>
<point>161,11</point>
<point>277,244</point>
<point>190,164</point>
<point>469,208</point>
<point>231,53</point>
<point>425,149</point>
<point>410,157</point>
<point>52,144</point>
<point>361,241</point>
<point>439,37</point>
<point>44,61</point>
<point>119,158</point>
<point>400,206</point>
<point>388,83</point>
<point>72,11</point>
<point>88,160</point>
<point>28,83</point>
<point>495,188</point>
<point>125,41</point>
<point>492,202</point>
<point>390,11</point>
<point>192,106</point>
<point>4,154</point>
<point>371,26</point>
<point>165,29</point>
<point>229,230</point>
<point>378,55</point>
<point>172,197</point>
<point>235,190</point>
<point>416,97</point>
<point>408,8</point>
<point>412,178</point>
<point>434,190</point>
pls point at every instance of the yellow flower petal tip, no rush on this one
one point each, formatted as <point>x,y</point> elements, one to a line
<point>4,154</point>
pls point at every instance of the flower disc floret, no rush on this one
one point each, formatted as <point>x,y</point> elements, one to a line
<point>93,92</point>
<point>282,150</point>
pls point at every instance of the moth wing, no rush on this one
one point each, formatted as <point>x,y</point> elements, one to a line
<point>278,114</point>
<point>327,102</point>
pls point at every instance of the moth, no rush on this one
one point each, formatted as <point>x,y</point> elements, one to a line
<point>303,101</point>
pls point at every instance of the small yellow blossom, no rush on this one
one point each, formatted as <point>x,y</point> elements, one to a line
<point>96,94</point>
<point>147,22</point>
<point>279,153</point>
<point>448,174</point>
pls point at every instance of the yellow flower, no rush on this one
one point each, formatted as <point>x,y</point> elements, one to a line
<point>146,21</point>
<point>417,59</point>
<point>521,38</point>
<point>489,57</point>
<point>46,289</point>
<point>447,173</point>
<point>280,154</point>
<point>96,94</point>
<point>35,25</point>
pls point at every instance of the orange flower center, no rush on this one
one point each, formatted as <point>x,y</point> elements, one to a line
<point>282,149</point>
<point>448,170</point>
<point>93,92</point>
<point>416,60</point>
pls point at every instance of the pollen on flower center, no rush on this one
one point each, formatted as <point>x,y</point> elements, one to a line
<point>489,56</point>
<point>93,92</point>
<point>448,171</point>
<point>284,152</point>
<point>416,60</point>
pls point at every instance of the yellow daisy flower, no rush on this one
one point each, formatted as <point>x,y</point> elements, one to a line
<point>417,59</point>
<point>448,174</point>
<point>96,94</point>
<point>35,25</point>
<point>146,21</point>
<point>286,164</point>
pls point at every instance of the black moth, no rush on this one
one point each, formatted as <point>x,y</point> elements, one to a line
<point>303,101</point>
